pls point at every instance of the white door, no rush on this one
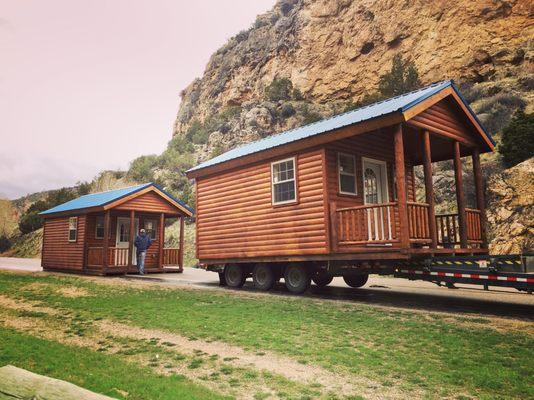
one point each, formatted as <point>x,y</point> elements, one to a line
<point>123,239</point>
<point>375,191</point>
<point>374,182</point>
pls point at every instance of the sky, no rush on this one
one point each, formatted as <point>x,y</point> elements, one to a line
<point>90,85</point>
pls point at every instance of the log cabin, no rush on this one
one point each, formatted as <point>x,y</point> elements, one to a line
<point>338,197</point>
<point>92,234</point>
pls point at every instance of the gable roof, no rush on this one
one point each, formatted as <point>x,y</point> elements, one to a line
<point>103,199</point>
<point>397,104</point>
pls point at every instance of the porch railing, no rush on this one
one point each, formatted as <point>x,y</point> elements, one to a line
<point>448,227</point>
<point>367,224</point>
<point>418,222</point>
<point>171,256</point>
<point>117,256</point>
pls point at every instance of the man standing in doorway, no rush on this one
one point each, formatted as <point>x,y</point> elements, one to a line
<point>142,243</point>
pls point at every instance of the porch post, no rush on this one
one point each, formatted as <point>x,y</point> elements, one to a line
<point>479,190</point>
<point>181,251</point>
<point>429,190</point>
<point>460,197</point>
<point>161,239</point>
<point>132,239</point>
<point>400,174</point>
<point>105,248</point>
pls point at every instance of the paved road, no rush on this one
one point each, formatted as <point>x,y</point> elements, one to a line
<point>391,292</point>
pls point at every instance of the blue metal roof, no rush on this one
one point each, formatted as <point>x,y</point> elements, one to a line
<point>103,198</point>
<point>400,103</point>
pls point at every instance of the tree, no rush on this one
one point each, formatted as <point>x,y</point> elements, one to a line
<point>142,168</point>
<point>279,89</point>
<point>59,196</point>
<point>29,222</point>
<point>517,143</point>
<point>403,77</point>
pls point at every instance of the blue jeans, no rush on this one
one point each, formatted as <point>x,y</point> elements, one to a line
<point>141,261</point>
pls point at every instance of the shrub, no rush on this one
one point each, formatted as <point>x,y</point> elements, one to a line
<point>54,198</point>
<point>5,243</point>
<point>142,168</point>
<point>287,110</point>
<point>30,221</point>
<point>403,77</point>
<point>83,188</point>
<point>279,89</point>
<point>496,112</point>
<point>517,142</point>
<point>197,133</point>
<point>297,94</point>
<point>310,116</point>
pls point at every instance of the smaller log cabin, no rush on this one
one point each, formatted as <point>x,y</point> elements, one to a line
<point>343,189</point>
<point>92,234</point>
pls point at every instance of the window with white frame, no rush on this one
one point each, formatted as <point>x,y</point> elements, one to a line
<point>99,228</point>
<point>73,229</point>
<point>283,181</point>
<point>150,228</point>
<point>347,173</point>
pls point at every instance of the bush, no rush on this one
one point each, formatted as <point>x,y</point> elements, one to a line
<point>197,133</point>
<point>279,89</point>
<point>142,168</point>
<point>30,221</point>
<point>517,142</point>
<point>403,77</point>
<point>83,188</point>
<point>56,197</point>
<point>287,111</point>
<point>5,243</point>
<point>496,111</point>
<point>297,94</point>
<point>310,116</point>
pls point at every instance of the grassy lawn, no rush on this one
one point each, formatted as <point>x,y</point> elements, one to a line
<point>440,355</point>
<point>101,373</point>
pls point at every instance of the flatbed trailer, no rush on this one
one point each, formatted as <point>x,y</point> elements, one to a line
<point>513,271</point>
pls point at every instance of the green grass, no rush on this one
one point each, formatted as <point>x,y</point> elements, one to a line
<point>101,373</point>
<point>439,356</point>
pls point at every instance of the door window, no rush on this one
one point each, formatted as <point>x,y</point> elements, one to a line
<point>370,186</point>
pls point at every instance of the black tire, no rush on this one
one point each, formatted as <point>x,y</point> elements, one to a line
<point>322,280</point>
<point>263,277</point>
<point>235,275</point>
<point>222,279</point>
<point>356,281</point>
<point>297,278</point>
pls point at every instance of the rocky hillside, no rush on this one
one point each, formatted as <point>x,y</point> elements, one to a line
<point>306,59</point>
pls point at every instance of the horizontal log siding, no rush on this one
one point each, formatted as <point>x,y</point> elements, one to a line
<point>235,217</point>
<point>444,116</point>
<point>148,202</point>
<point>58,252</point>
<point>377,145</point>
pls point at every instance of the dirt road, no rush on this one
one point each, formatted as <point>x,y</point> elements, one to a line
<point>384,291</point>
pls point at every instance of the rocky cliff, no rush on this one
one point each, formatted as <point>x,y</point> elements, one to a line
<point>324,56</point>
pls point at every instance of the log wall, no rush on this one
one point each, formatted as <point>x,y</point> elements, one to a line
<point>58,252</point>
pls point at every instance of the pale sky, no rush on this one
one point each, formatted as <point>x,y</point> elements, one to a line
<point>90,85</point>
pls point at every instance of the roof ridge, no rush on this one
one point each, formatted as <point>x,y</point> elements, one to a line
<point>338,115</point>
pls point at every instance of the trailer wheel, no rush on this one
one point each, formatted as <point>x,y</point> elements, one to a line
<point>235,275</point>
<point>356,281</point>
<point>322,280</point>
<point>222,279</point>
<point>263,277</point>
<point>297,278</point>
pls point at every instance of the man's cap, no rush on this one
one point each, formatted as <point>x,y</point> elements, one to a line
<point>142,230</point>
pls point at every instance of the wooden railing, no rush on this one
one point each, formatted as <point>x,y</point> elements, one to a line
<point>367,224</point>
<point>171,256</point>
<point>117,256</point>
<point>448,229</point>
<point>418,222</point>
<point>474,225</point>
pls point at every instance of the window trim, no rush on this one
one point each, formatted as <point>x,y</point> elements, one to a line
<point>339,173</point>
<point>75,230</point>
<point>295,182</point>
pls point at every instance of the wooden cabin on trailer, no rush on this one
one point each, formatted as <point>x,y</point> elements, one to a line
<point>93,234</point>
<point>338,197</point>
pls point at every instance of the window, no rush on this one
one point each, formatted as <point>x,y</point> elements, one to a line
<point>150,228</point>
<point>283,181</point>
<point>99,228</point>
<point>370,185</point>
<point>73,229</point>
<point>347,173</point>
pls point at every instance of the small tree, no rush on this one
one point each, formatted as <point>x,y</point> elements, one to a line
<point>142,168</point>
<point>517,143</point>
<point>279,89</point>
<point>403,77</point>
<point>30,222</point>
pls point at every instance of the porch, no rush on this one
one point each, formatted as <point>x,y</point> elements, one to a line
<point>404,224</point>
<point>117,254</point>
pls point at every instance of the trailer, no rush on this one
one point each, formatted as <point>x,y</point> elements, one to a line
<point>513,271</point>
<point>339,198</point>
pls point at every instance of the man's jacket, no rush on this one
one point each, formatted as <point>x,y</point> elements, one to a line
<point>142,243</point>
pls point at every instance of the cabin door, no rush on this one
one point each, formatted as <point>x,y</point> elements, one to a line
<point>123,237</point>
<point>374,182</point>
